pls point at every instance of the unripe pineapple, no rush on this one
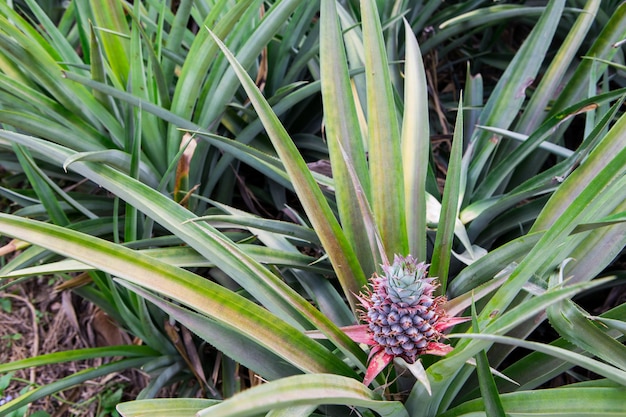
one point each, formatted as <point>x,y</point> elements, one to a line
<point>403,316</point>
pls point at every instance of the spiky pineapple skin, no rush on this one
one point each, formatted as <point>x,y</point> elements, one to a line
<point>401,310</point>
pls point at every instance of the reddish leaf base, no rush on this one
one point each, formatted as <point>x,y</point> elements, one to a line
<point>378,359</point>
<point>359,333</point>
<point>377,362</point>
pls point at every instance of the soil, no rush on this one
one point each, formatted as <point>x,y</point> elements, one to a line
<point>35,320</point>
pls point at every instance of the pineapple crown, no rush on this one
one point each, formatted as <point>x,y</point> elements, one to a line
<point>406,281</point>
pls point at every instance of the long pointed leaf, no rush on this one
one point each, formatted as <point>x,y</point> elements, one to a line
<point>488,389</point>
<point>343,132</point>
<point>576,401</point>
<point>324,222</point>
<point>415,145</point>
<point>113,31</point>
<point>449,206</point>
<point>227,308</point>
<point>69,381</point>
<point>164,407</point>
<point>235,345</point>
<point>78,355</point>
<point>596,366</point>
<point>385,157</point>
<point>266,287</point>
<point>573,325</point>
<point>510,92</point>
<point>304,389</point>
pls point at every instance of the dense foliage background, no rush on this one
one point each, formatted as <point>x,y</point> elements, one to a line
<point>215,181</point>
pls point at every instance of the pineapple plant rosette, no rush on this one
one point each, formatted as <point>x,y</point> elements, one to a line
<point>404,318</point>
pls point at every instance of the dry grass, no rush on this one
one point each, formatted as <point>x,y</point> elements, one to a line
<point>42,321</point>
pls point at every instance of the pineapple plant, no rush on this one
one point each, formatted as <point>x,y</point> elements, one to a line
<point>403,316</point>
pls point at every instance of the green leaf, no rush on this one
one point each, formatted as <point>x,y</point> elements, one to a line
<point>265,163</point>
<point>386,173</point>
<point>451,369</point>
<point>114,33</point>
<point>449,206</point>
<point>539,137</point>
<point>321,291</point>
<point>97,67</point>
<point>78,355</point>
<point>605,221</point>
<point>301,410</point>
<point>547,146</point>
<point>568,319</point>
<point>269,289</point>
<point>295,231</point>
<point>488,389</point>
<point>237,346</point>
<point>70,381</point>
<point>164,407</point>
<point>555,402</point>
<point>596,366</point>
<point>619,325</point>
<point>57,40</point>
<point>26,47</point>
<point>491,264</point>
<point>304,389</point>
<point>510,92</point>
<point>200,57</point>
<point>118,159</point>
<point>536,369</point>
<point>500,323</point>
<point>344,135</point>
<point>601,168</point>
<point>324,222</point>
<point>176,34</point>
<point>42,185</point>
<point>575,201</point>
<point>603,47</point>
<point>552,77</point>
<point>226,307</point>
<point>183,257</point>
<point>415,145</point>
